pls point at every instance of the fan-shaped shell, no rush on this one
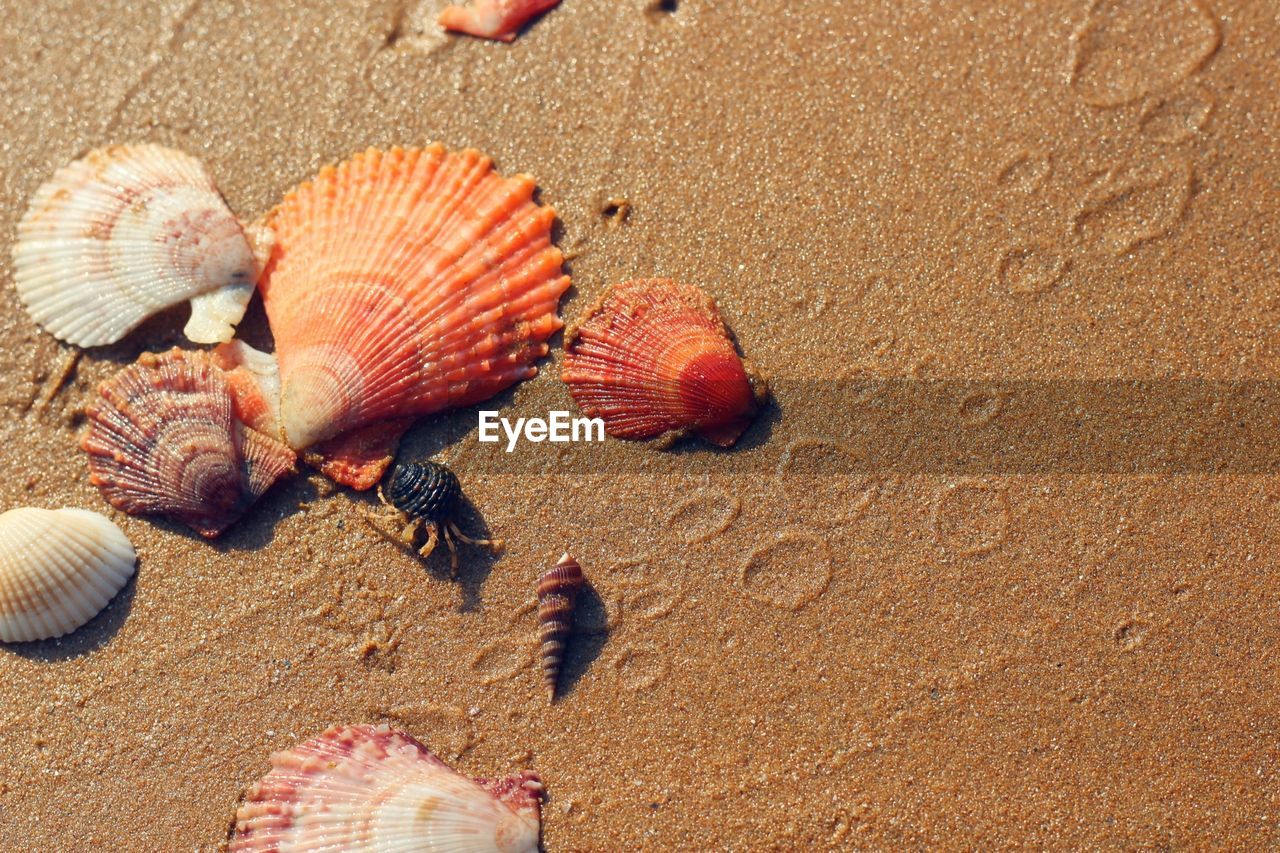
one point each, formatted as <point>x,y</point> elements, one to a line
<point>357,458</point>
<point>58,569</point>
<point>164,439</point>
<point>405,282</point>
<point>361,788</point>
<point>558,590</point>
<point>653,358</point>
<point>493,19</point>
<point>124,233</point>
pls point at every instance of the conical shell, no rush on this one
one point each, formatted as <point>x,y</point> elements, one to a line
<point>558,590</point>
<point>493,19</point>
<point>653,358</point>
<point>58,569</point>
<point>361,788</point>
<point>403,283</point>
<point>164,439</point>
<point>124,233</point>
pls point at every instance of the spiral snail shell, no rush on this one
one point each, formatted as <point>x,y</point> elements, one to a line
<point>558,590</point>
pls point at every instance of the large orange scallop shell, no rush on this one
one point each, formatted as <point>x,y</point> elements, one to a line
<point>653,358</point>
<point>164,439</point>
<point>403,283</point>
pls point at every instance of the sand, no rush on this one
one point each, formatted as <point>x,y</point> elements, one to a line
<point>873,624</point>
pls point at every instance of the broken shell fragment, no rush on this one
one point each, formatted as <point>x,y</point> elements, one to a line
<point>405,282</point>
<point>366,788</point>
<point>558,590</point>
<point>125,232</point>
<point>58,569</point>
<point>164,439</point>
<point>653,358</point>
<point>493,19</point>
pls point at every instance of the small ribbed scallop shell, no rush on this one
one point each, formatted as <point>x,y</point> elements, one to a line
<point>164,439</point>
<point>361,788</point>
<point>124,233</point>
<point>58,569</point>
<point>403,283</point>
<point>558,590</point>
<point>493,19</point>
<point>653,358</point>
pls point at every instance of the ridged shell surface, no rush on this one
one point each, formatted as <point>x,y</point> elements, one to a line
<point>558,590</point>
<point>124,233</point>
<point>164,439</point>
<point>405,282</point>
<point>58,569</point>
<point>493,19</point>
<point>425,490</point>
<point>653,358</point>
<point>361,788</point>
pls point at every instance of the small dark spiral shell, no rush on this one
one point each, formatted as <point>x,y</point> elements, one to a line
<point>557,594</point>
<point>427,491</point>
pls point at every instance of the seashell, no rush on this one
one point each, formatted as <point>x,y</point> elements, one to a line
<point>58,569</point>
<point>255,384</point>
<point>557,595</point>
<point>427,491</point>
<point>365,788</point>
<point>124,233</point>
<point>424,496</point>
<point>164,438</point>
<point>653,358</point>
<point>493,19</point>
<point>403,283</point>
<point>358,458</point>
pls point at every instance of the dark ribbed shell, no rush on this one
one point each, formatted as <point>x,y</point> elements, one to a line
<point>424,490</point>
<point>558,590</point>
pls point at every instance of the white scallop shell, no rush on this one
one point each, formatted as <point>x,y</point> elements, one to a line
<point>361,788</point>
<point>58,569</point>
<point>125,232</point>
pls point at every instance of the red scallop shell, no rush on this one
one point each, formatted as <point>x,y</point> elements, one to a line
<point>653,358</point>
<point>164,439</point>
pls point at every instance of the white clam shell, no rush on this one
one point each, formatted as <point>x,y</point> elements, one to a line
<point>58,569</point>
<point>124,233</point>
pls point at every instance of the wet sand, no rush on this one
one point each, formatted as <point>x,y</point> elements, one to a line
<point>795,644</point>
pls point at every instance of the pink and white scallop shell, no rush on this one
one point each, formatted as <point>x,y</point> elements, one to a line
<point>125,232</point>
<point>366,788</point>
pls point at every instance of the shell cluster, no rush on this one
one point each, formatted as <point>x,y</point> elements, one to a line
<point>653,359</point>
<point>124,233</point>
<point>366,788</point>
<point>558,590</point>
<point>58,569</point>
<point>164,438</point>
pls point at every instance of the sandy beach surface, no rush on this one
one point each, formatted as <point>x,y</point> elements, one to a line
<point>922,603</point>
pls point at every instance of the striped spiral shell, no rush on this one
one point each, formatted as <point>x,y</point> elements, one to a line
<point>558,590</point>
<point>58,569</point>
<point>125,232</point>
<point>164,439</point>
